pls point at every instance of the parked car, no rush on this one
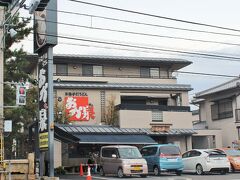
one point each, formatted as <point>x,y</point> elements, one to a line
<point>205,160</point>
<point>122,160</point>
<point>234,158</point>
<point>163,157</point>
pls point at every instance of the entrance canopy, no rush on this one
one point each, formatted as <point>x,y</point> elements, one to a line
<point>115,139</point>
<point>102,134</point>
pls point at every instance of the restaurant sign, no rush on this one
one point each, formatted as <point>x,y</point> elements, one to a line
<point>78,108</point>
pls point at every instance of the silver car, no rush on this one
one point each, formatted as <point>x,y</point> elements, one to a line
<point>122,160</point>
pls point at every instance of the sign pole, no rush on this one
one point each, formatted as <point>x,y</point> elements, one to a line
<point>51,112</point>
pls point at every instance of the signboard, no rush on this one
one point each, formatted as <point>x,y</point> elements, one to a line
<point>21,94</point>
<point>78,108</point>
<point>45,27</point>
<point>8,126</point>
<point>43,101</point>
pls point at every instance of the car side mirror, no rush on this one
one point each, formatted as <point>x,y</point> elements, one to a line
<point>114,156</point>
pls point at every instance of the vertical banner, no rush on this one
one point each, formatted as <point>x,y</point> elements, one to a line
<point>43,101</point>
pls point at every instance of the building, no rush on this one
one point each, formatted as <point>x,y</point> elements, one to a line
<point>219,108</point>
<point>133,94</point>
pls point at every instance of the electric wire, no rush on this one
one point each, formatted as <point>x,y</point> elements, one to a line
<point>155,16</point>
<point>144,34</point>
<point>137,50</point>
<point>146,24</point>
<point>230,58</point>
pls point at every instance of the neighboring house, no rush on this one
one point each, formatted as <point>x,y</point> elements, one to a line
<point>219,108</point>
<point>143,91</point>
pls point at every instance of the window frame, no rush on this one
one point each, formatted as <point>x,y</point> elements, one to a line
<point>222,109</point>
<point>62,73</point>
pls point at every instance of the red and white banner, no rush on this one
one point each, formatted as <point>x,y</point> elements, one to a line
<point>78,108</point>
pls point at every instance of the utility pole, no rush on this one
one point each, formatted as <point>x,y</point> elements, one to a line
<point>2,10</point>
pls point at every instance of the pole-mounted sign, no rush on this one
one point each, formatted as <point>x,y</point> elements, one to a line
<point>21,94</point>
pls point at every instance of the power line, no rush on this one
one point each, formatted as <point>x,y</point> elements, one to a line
<point>145,34</point>
<point>230,58</point>
<point>156,16</point>
<point>139,50</point>
<point>181,72</point>
<point>207,74</point>
<point>146,24</point>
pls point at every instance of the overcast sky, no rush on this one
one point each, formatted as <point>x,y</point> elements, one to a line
<point>215,12</point>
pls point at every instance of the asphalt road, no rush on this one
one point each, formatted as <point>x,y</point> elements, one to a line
<point>230,176</point>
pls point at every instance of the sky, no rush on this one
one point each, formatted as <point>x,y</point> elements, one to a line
<point>223,13</point>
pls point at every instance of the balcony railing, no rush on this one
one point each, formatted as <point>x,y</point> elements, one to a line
<point>152,107</point>
<point>114,75</point>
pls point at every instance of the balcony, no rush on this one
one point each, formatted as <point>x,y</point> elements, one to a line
<point>152,107</point>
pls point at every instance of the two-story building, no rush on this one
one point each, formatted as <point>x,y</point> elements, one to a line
<point>140,95</point>
<point>219,108</point>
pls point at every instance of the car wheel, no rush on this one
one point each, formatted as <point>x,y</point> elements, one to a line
<point>179,173</point>
<point>143,175</point>
<point>156,171</point>
<point>101,171</point>
<point>120,173</point>
<point>199,169</point>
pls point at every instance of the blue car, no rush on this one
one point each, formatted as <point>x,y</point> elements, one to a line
<point>163,158</point>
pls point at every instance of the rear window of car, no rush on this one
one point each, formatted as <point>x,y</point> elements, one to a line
<point>173,150</point>
<point>216,153</point>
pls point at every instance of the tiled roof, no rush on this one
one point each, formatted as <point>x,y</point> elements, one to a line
<point>139,86</point>
<point>222,87</point>
<point>122,58</point>
<point>104,129</point>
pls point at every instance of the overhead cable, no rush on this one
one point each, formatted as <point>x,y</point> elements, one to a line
<point>156,16</point>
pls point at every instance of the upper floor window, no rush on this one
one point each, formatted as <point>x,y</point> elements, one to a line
<point>222,109</point>
<point>157,116</point>
<point>61,69</point>
<point>92,70</point>
<point>149,72</point>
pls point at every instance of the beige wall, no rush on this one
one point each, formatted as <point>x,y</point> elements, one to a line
<point>226,125</point>
<point>57,153</point>
<point>142,119</point>
<point>207,132</point>
<point>135,119</point>
<point>178,119</point>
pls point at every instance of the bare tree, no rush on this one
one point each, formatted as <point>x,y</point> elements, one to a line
<point>111,114</point>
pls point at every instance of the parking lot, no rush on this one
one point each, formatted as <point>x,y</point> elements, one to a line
<point>230,176</point>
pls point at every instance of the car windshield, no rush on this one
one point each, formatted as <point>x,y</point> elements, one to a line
<point>232,152</point>
<point>129,153</point>
<point>173,150</point>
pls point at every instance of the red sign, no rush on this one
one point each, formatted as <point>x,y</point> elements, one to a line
<point>78,108</point>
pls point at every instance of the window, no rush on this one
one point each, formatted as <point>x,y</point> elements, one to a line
<point>186,154</point>
<point>154,72</point>
<point>222,109</point>
<point>92,70</point>
<point>157,116</point>
<point>149,72</point>
<point>108,152</point>
<point>61,69</point>
<point>194,154</point>
<point>150,151</point>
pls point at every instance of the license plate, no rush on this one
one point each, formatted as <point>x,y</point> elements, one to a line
<point>137,168</point>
